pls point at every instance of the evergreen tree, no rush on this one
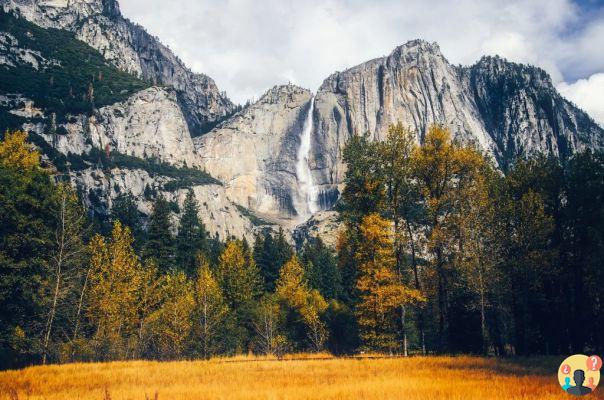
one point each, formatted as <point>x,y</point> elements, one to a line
<point>322,269</point>
<point>160,244</point>
<point>271,253</point>
<point>191,240</point>
<point>26,201</point>
<point>125,210</point>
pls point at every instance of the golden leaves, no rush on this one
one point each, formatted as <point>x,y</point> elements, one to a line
<point>16,153</point>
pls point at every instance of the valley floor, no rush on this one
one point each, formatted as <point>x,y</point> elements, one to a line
<point>295,378</point>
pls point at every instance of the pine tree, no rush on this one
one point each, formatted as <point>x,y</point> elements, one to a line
<point>191,240</point>
<point>322,269</point>
<point>125,210</point>
<point>271,253</point>
<point>26,203</point>
<point>160,245</point>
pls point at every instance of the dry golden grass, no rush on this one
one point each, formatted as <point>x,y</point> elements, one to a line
<point>296,378</point>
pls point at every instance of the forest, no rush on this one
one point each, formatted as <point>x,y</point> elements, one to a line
<point>440,253</point>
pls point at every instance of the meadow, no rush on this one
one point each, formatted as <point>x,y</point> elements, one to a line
<point>294,378</point>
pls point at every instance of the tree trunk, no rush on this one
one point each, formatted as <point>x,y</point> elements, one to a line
<point>420,312</point>
<point>57,288</point>
<point>404,328</point>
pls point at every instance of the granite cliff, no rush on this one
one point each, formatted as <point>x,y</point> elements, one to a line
<point>276,162</point>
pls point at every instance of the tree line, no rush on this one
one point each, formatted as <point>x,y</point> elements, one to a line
<point>505,263</point>
<point>441,253</point>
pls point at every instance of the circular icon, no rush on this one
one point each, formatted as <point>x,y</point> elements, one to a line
<point>594,363</point>
<point>580,374</point>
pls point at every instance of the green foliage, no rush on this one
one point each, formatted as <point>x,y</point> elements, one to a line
<point>322,269</point>
<point>160,243</point>
<point>191,240</point>
<point>63,87</point>
<point>125,210</point>
<point>498,258</point>
<point>26,229</point>
<point>271,253</point>
<point>254,219</point>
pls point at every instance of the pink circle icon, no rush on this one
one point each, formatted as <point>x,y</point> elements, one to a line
<point>565,369</point>
<point>594,363</point>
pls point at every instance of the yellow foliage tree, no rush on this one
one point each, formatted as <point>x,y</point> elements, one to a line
<point>292,288</point>
<point>238,275</point>
<point>171,324</point>
<point>116,281</point>
<point>449,177</point>
<point>291,284</point>
<point>16,153</point>
<point>381,292</point>
<point>210,309</point>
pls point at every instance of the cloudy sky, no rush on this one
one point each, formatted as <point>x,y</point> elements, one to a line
<point>248,46</point>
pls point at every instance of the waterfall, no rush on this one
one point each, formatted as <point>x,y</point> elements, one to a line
<point>307,191</point>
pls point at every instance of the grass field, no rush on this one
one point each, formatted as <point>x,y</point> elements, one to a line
<point>306,377</point>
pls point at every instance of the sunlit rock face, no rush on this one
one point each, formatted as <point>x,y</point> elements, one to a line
<point>148,125</point>
<point>281,157</point>
<point>129,47</point>
<point>219,214</point>
<point>507,109</point>
<point>255,152</point>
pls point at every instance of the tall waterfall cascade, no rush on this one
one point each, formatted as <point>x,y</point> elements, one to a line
<point>307,203</point>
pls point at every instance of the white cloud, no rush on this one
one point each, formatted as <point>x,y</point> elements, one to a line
<point>248,46</point>
<point>588,94</point>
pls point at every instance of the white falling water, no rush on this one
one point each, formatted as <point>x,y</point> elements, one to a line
<point>306,186</point>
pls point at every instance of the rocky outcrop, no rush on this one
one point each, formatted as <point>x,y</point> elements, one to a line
<point>324,224</point>
<point>12,55</point>
<point>220,216</point>
<point>507,109</point>
<point>147,125</point>
<point>254,152</point>
<point>523,112</point>
<point>129,47</point>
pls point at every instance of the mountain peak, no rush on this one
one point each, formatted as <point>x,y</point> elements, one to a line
<point>283,93</point>
<point>418,45</point>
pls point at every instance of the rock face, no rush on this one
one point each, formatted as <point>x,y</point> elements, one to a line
<point>507,109</point>
<point>129,47</point>
<point>148,125</point>
<point>254,152</point>
<point>219,214</point>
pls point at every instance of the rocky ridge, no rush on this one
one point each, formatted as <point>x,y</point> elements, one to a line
<point>254,152</point>
<point>507,109</point>
<point>130,48</point>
